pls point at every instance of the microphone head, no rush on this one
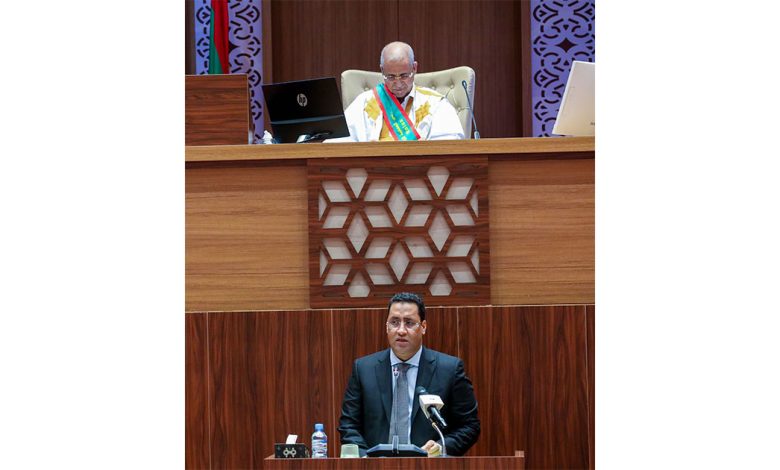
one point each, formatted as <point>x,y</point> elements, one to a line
<point>428,401</point>
<point>463,82</point>
<point>420,390</point>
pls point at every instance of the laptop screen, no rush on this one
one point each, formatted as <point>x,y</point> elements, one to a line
<point>305,110</point>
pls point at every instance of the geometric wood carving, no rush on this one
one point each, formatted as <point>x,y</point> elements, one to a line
<point>378,226</point>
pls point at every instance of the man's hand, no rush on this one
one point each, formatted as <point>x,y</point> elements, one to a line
<point>432,448</point>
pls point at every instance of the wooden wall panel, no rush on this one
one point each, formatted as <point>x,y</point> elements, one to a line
<point>314,39</point>
<point>443,333</point>
<point>216,110</point>
<point>542,229</point>
<point>323,38</point>
<point>529,370</point>
<point>196,392</point>
<point>273,373</point>
<point>591,316</point>
<point>485,35</point>
<point>246,238</point>
<point>269,376</point>
<point>356,333</point>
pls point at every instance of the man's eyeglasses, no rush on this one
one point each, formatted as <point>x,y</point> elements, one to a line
<point>410,325</point>
<point>403,76</point>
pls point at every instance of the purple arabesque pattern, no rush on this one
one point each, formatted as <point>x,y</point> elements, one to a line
<point>246,52</point>
<point>562,31</point>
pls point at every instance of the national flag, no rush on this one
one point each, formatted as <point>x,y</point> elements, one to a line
<point>218,36</point>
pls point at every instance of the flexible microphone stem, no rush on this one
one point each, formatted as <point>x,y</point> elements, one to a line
<point>443,446</point>
<point>471,107</point>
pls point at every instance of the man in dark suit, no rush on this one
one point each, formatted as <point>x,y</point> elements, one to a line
<point>371,412</point>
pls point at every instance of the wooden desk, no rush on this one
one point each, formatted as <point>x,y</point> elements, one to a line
<point>247,226</point>
<point>516,462</point>
<point>247,255</point>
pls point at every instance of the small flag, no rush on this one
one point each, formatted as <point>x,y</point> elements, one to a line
<point>218,35</point>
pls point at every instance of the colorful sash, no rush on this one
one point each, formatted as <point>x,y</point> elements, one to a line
<point>395,117</point>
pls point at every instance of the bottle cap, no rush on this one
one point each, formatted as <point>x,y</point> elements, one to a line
<point>319,427</point>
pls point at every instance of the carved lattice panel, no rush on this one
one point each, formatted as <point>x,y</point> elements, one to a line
<point>381,226</point>
<point>561,32</point>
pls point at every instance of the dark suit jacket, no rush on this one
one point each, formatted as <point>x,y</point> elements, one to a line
<point>365,411</point>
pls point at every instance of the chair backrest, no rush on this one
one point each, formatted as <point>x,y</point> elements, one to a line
<point>447,82</point>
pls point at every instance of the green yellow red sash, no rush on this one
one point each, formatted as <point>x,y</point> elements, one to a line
<point>396,119</point>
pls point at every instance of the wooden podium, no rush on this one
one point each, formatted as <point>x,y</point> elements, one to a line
<point>266,357</point>
<point>516,462</point>
<point>249,218</point>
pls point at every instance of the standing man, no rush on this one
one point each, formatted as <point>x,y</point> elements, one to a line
<point>380,401</point>
<point>397,109</point>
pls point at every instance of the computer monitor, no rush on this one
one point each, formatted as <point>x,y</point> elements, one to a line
<point>577,114</point>
<point>305,110</point>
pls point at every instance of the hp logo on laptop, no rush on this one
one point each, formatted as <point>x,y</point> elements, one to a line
<point>302,100</point>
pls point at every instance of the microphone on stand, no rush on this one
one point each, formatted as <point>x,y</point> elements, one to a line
<point>471,107</point>
<point>430,405</point>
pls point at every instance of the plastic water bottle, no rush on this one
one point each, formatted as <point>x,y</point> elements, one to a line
<point>319,442</point>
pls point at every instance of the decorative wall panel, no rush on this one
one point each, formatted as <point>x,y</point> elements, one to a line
<point>380,226</point>
<point>561,32</point>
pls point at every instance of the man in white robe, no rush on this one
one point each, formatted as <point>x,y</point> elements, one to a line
<point>432,116</point>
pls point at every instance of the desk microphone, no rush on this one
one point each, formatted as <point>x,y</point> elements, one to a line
<point>471,107</point>
<point>431,404</point>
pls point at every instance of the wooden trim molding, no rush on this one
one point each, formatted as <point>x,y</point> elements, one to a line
<point>518,145</point>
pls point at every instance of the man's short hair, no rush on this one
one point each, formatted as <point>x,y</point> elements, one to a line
<point>410,298</point>
<point>409,52</point>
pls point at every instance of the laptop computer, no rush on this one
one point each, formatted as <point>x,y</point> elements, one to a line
<point>305,110</point>
<point>577,114</point>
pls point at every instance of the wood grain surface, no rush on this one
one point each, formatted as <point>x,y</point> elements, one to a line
<point>542,231</point>
<point>246,238</point>
<point>275,373</point>
<point>485,35</point>
<point>449,463</point>
<point>313,39</point>
<point>517,148</point>
<point>216,110</point>
<point>196,392</point>
<point>247,233</point>
<point>269,372</point>
<point>591,315</point>
<point>529,369</point>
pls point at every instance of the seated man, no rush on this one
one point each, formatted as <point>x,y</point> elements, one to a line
<point>397,109</point>
<point>375,408</point>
